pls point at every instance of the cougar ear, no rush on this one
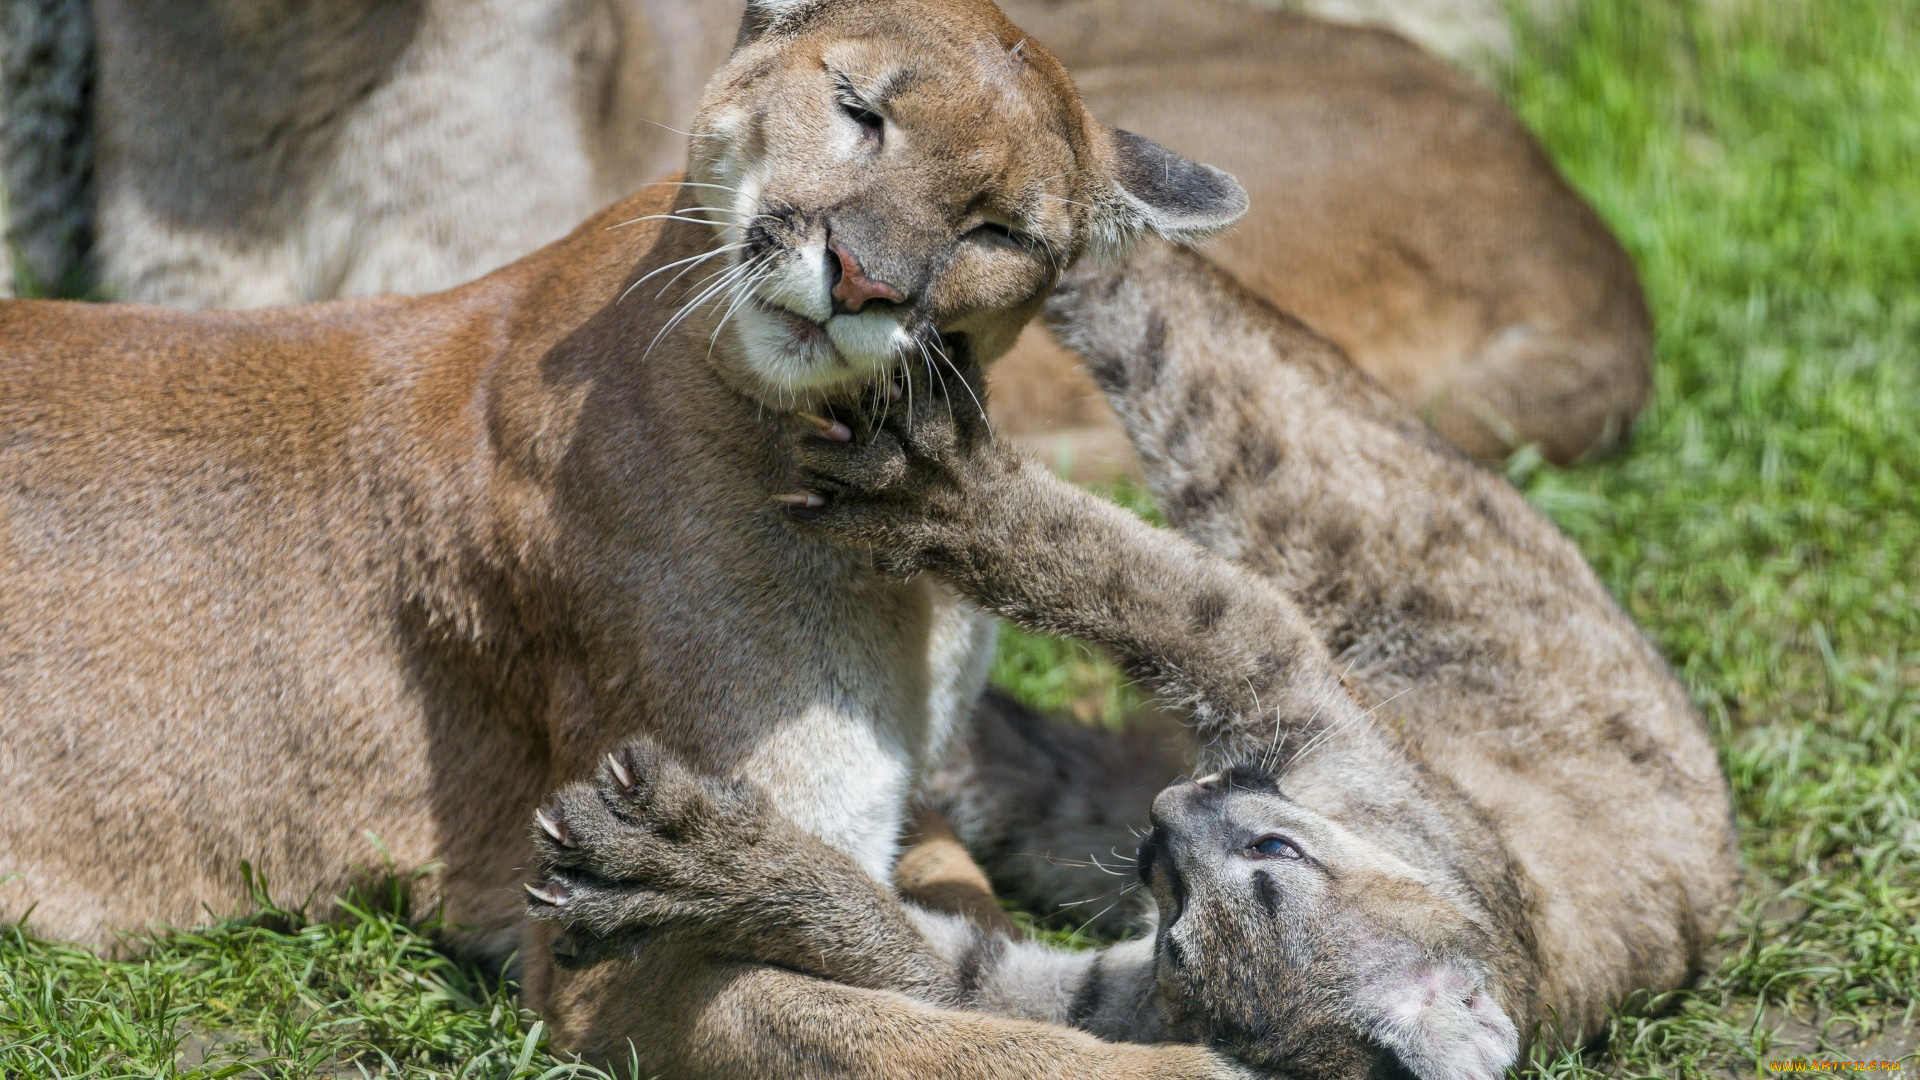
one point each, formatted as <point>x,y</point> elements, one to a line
<point>1439,1020</point>
<point>1176,197</point>
<point>763,15</point>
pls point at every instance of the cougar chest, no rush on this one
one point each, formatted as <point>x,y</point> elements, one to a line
<point>871,708</point>
<point>755,653</point>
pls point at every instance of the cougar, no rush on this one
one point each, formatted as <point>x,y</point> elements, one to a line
<point>271,581</point>
<point>1414,703</point>
<point>252,154</point>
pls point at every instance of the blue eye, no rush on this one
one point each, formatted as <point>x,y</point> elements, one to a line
<point>1275,847</point>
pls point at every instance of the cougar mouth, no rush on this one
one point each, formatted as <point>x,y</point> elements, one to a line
<point>1155,859</point>
<point>802,332</point>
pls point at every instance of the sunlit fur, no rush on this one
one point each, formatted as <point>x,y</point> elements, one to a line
<point>1397,207</point>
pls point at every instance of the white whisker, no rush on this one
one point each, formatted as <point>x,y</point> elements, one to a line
<point>671,217</point>
<point>1064,199</point>
<point>677,131</point>
<point>742,292</point>
<point>1343,725</point>
<point>1098,915</point>
<point>702,257</point>
<point>933,377</point>
<point>1388,701</point>
<point>691,183</point>
<point>906,372</point>
<point>955,368</point>
<point>670,282</point>
<point>712,287</point>
<point>1120,892</point>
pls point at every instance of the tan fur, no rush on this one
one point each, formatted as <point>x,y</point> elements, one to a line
<point>271,581</point>
<point>285,152</point>
<point>276,153</point>
<point>1475,33</point>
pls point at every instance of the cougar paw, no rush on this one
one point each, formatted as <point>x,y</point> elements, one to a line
<point>877,477</point>
<point>867,466</point>
<point>647,844</point>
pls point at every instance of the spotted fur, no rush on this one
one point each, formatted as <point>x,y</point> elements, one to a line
<point>1414,684</point>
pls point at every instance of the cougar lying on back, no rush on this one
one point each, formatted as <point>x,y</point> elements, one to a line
<point>270,581</point>
<point>1396,880</point>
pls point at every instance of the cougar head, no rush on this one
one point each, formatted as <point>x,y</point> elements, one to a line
<point>895,180</point>
<point>1298,946</point>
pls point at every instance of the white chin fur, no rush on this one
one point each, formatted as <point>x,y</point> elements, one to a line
<point>853,349</point>
<point>839,350</point>
<point>871,340</point>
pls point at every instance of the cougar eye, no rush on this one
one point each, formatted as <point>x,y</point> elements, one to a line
<point>1274,847</point>
<point>872,124</point>
<point>993,230</point>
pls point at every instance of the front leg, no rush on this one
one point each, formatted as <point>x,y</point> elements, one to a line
<point>926,487</point>
<point>651,852</point>
<point>676,1011</point>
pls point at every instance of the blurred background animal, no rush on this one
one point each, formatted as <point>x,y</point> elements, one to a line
<point>239,153</point>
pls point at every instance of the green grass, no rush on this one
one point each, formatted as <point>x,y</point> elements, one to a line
<point>1762,162</point>
<point>274,995</point>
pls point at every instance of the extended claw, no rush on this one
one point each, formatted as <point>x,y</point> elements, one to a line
<point>553,829</point>
<point>549,892</point>
<point>829,428</point>
<point>806,500</point>
<point>621,775</point>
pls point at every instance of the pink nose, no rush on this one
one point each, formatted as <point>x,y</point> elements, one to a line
<point>852,288</point>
